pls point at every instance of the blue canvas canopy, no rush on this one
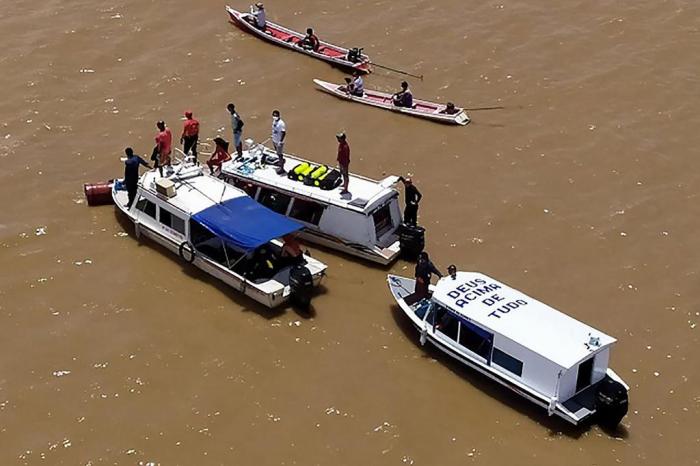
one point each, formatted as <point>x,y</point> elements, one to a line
<point>244,223</point>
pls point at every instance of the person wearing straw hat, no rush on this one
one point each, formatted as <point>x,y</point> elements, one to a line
<point>344,160</point>
<point>258,13</point>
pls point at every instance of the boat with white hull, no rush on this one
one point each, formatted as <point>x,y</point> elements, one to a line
<point>365,223</point>
<point>220,230</point>
<point>541,354</point>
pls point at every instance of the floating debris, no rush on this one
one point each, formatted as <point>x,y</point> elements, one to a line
<point>60,373</point>
<point>40,231</point>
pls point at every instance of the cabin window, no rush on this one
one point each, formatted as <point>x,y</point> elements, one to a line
<point>476,339</point>
<point>172,221</point>
<point>507,362</point>
<point>585,373</point>
<point>447,324</point>
<point>249,188</point>
<point>382,220</point>
<point>274,200</point>
<point>146,206</point>
<point>306,211</point>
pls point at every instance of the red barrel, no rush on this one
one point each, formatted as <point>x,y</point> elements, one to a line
<point>98,193</point>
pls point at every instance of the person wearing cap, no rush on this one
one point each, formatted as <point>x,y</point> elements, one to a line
<point>344,160</point>
<point>449,109</point>
<point>412,197</point>
<point>258,12</point>
<point>190,135</point>
<point>403,98</point>
<point>164,147</point>
<point>237,128</point>
<point>219,156</point>
<point>279,133</point>
<point>131,173</point>
<point>310,41</point>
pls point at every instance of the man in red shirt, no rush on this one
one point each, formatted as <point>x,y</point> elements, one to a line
<point>344,160</point>
<point>164,145</point>
<point>190,135</point>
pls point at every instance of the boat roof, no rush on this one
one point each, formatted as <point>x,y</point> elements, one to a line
<point>528,322</point>
<point>365,193</point>
<point>223,209</point>
<point>195,190</point>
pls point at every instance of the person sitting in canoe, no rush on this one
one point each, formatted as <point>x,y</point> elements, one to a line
<point>310,41</point>
<point>449,109</point>
<point>355,85</point>
<point>403,98</point>
<point>219,156</point>
<point>257,17</point>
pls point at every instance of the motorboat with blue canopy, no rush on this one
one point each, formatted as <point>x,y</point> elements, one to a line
<point>540,353</point>
<point>244,223</point>
<point>221,230</point>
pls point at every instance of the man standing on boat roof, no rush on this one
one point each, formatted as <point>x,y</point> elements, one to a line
<point>190,135</point>
<point>258,12</point>
<point>403,98</point>
<point>279,133</point>
<point>131,173</point>
<point>412,197</point>
<point>164,146</point>
<point>310,41</point>
<point>344,160</point>
<point>237,128</point>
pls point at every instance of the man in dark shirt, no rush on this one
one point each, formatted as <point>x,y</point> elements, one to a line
<point>412,197</point>
<point>424,272</point>
<point>344,160</point>
<point>131,173</point>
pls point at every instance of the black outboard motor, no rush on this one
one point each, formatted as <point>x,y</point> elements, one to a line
<point>355,55</point>
<point>611,401</point>
<point>301,283</point>
<point>411,241</point>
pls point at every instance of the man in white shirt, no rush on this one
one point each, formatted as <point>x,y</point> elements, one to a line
<point>357,86</point>
<point>258,13</point>
<point>279,133</point>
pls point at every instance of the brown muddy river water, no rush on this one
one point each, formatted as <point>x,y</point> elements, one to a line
<point>581,191</point>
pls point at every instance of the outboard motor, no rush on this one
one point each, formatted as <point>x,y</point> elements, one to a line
<point>301,284</point>
<point>355,55</point>
<point>611,401</point>
<point>411,241</point>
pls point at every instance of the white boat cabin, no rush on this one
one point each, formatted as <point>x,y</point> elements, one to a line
<point>363,223</point>
<point>219,229</point>
<point>528,346</point>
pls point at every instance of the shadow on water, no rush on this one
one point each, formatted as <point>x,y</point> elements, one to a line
<point>242,301</point>
<point>555,425</point>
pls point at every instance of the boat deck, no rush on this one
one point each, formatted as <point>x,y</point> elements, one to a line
<point>582,404</point>
<point>364,194</point>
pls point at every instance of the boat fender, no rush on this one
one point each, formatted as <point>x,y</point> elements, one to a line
<point>190,251</point>
<point>424,335</point>
<point>137,229</point>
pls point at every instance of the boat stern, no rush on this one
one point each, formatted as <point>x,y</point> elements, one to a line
<point>462,118</point>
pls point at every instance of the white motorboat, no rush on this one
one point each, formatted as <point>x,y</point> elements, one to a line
<point>222,231</point>
<point>536,351</point>
<point>365,223</point>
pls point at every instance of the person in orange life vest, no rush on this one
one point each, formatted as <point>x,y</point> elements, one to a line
<point>164,147</point>
<point>190,135</point>
<point>219,156</point>
<point>344,160</point>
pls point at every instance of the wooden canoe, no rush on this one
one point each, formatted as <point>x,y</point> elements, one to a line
<point>279,35</point>
<point>421,108</point>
